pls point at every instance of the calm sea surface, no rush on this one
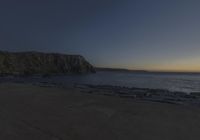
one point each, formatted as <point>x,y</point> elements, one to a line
<point>172,82</point>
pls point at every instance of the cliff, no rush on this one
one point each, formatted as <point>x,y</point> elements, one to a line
<point>20,63</point>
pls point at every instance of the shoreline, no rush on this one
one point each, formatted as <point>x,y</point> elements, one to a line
<point>39,112</point>
<point>153,95</point>
<point>143,94</point>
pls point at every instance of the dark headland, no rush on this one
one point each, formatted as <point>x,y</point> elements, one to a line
<point>23,63</point>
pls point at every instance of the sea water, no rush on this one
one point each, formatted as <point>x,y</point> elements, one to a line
<point>184,82</point>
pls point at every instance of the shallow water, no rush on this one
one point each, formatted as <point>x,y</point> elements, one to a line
<point>169,81</point>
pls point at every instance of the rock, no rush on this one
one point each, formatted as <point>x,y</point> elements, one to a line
<point>26,63</point>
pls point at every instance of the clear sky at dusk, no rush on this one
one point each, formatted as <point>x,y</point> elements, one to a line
<point>134,34</point>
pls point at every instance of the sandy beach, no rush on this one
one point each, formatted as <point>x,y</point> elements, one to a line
<point>29,112</point>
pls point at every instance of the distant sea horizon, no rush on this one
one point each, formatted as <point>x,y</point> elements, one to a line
<point>145,71</point>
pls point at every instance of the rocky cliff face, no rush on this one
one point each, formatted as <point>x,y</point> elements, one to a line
<point>42,63</point>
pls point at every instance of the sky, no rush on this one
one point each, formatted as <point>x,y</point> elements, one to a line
<point>159,35</point>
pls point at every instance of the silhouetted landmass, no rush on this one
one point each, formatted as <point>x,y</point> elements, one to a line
<point>26,63</point>
<point>145,71</point>
<point>118,69</point>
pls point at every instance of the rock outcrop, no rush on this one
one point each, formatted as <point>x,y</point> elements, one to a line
<point>26,63</point>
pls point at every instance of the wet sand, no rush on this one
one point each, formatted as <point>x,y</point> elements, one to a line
<point>30,112</point>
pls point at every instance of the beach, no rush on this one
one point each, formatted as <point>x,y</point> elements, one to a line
<point>53,113</point>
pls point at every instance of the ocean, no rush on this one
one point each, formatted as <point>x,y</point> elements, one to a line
<point>183,82</point>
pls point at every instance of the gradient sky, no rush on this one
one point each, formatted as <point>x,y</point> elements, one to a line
<point>133,34</point>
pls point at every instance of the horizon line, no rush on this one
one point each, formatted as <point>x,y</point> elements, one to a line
<point>145,70</point>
